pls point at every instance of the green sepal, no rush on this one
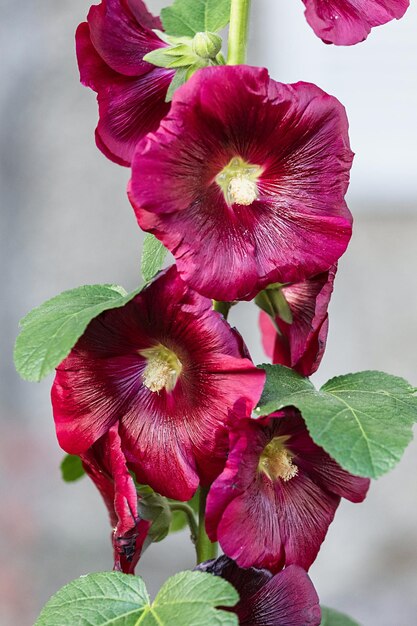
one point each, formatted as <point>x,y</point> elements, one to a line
<point>154,508</point>
<point>274,303</point>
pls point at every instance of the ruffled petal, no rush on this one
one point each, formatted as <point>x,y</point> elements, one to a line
<point>120,39</point>
<point>298,226</point>
<point>301,344</point>
<point>347,22</point>
<point>175,438</point>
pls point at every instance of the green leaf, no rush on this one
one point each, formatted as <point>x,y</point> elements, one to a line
<point>71,468</point>
<point>52,329</point>
<point>330,617</point>
<point>364,420</point>
<point>115,599</point>
<point>188,17</point>
<point>153,255</point>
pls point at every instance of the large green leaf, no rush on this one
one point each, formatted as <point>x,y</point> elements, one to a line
<point>330,617</point>
<point>188,17</point>
<point>115,599</point>
<point>362,420</point>
<point>153,256</point>
<point>52,329</point>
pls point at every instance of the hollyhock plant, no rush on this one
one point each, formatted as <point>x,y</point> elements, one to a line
<point>296,337</point>
<point>168,369</point>
<point>131,93</point>
<point>105,464</point>
<point>286,599</point>
<point>244,181</point>
<point>277,495</point>
<point>346,22</point>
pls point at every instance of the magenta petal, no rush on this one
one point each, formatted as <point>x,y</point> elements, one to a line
<point>120,40</point>
<point>263,519</point>
<point>106,465</point>
<point>129,108</point>
<point>299,225</point>
<point>173,438</point>
<point>346,22</point>
<point>288,598</point>
<point>131,92</point>
<point>301,344</point>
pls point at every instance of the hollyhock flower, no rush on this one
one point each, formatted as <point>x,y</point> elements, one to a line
<point>244,181</point>
<point>346,22</point>
<point>299,342</point>
<point>131,93</point>
<point>286,599</point>
<point>277,495</point>
<point>105,464</point>
<point>168,369</point>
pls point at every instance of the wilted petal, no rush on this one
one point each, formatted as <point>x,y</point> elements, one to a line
<point>286,599</point>
<point>105,464</point>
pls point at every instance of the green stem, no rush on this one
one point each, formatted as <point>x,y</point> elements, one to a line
<point>222,307</point>
<point>205,549</point>
<point>238,32</point>
<point>189,513</point>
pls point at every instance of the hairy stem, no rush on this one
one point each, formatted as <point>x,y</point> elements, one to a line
<point>238,32</point>
<point>205,549</point>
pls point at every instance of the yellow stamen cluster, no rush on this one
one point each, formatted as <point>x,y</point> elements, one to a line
<point>277,461</point>
<point>162,369</point>
<point>239,182</point>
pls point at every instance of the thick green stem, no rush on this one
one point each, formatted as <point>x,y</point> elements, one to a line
<point>205,549</point>
<point>189,513</point>
<point>238,32</point>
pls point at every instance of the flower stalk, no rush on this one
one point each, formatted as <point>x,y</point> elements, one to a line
<point>205,549</point>
<point>189,514</point>
<point>238,31</point>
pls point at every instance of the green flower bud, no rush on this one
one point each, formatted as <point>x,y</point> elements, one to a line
<point>207,45</point>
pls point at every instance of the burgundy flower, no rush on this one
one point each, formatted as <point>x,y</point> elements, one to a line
<point>277,495</point>
<point>244,181</point>
<point>299,343</point>
<point>131,92</point>
<point>346,22</point>
<point>169,370</point>
<point>286,599</point>
<point>105,464</point>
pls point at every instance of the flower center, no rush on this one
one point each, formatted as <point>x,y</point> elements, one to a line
<point>238,181</point>
<point>277,461</point>
<point>162,369</point>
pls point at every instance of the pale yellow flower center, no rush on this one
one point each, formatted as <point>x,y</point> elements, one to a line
<point>239,182</point>
<point>277,461</point>
<point>162,368</point>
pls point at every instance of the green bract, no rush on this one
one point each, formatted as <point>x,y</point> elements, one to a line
<point>330,617</point>
<point>364,420</point>
<point>115,599</point>
<point>50,331</point>
<point>188,17</point>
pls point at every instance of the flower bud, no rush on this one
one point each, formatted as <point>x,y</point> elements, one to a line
<point>207,45</point>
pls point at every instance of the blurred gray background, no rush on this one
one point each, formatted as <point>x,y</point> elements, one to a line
<point>66,221</point>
